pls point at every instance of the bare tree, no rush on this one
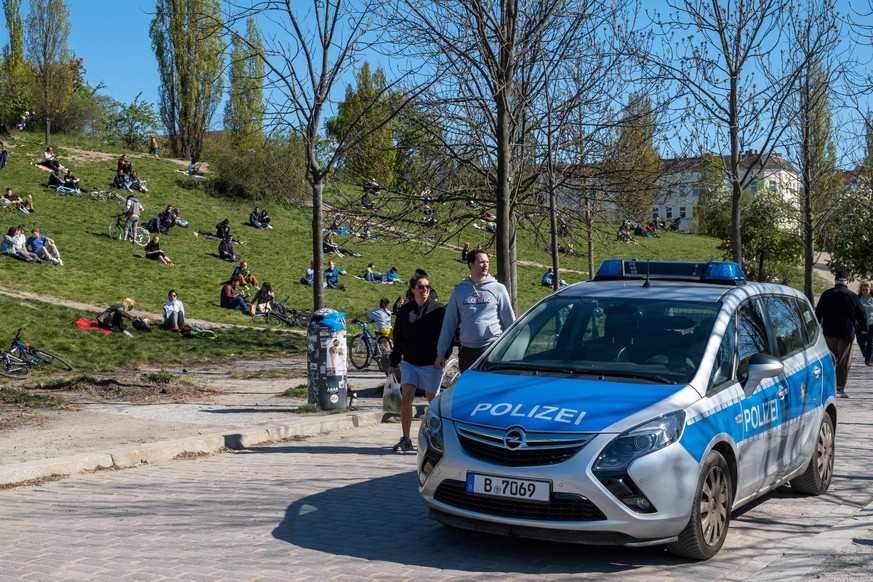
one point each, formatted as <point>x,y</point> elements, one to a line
<point>726,56</point>
<point>814,37</point>
<point>490,57</point>
<point>317,47</point>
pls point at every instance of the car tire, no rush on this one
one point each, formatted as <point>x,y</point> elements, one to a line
<point>817,477</point>
<point>707,528</point>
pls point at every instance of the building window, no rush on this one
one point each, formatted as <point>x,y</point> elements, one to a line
<point>773,187</point>
<point>669,212</point>
<point>682,212</point>
<point>654,213</point>
<point>695,191</point>
<point>754,186</point>
<point>682,190</point>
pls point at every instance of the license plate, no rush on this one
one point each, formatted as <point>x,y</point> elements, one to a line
<point>495,486</point>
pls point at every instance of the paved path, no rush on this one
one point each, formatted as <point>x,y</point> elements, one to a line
<point>343,506</point>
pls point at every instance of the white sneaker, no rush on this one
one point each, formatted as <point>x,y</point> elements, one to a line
<point>268,226</point>
<point>60,261</point>
<point>56,261</point>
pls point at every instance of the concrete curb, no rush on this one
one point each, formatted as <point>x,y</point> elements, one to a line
<point>163,451</point>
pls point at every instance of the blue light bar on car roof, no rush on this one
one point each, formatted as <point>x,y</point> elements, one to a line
<point>718,272</point>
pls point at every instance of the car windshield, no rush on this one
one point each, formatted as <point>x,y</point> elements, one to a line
<point>659,341</point>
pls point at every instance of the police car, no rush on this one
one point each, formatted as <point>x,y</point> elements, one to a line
<point>639,408</point>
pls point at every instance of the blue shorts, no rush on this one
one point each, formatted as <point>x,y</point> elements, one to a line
<point>426,378</point>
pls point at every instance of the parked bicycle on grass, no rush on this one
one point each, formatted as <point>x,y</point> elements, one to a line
<point>21,357</point>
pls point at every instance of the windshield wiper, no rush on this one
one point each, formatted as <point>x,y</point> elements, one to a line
<point>632,376</point>
<point>516,366</point>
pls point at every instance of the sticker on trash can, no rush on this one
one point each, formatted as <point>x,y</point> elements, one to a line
<point>334,398</point>
<point>336,359</point>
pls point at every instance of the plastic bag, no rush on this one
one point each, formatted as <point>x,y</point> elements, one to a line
<point>391,394</point>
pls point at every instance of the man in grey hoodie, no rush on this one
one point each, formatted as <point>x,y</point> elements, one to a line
<point>479,309</point>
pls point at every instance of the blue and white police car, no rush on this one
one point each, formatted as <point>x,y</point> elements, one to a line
<point>639,408</point>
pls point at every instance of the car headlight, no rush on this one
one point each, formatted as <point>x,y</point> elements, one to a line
<point>433,426</point>
<point>639,441</point>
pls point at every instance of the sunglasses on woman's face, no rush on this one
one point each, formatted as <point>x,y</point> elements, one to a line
<point>423,287</point>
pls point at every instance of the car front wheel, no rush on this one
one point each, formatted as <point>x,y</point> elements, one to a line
<point>707,529</point>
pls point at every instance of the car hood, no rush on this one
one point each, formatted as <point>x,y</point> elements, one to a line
<point>543,403</point>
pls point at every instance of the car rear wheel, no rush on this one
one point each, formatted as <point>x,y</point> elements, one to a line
<point>817,477</point>
<point>707,529</point>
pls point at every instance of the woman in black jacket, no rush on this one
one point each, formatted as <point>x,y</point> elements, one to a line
<point>416,332</point>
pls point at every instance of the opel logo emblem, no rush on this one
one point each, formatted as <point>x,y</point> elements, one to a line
<point>514,438</point>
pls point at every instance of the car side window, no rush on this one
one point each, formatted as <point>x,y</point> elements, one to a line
<point>808,319</point>
<point>786,325</point>
<point>723,367</point>
<point>751,336</point>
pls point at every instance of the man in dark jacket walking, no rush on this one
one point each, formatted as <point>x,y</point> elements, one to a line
<point>840,313</point>
<point>416,331</point>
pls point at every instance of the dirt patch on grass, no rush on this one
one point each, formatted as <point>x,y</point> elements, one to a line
<point>136,389</point>
<point>14,416</point>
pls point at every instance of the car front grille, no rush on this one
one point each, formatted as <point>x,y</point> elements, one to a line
<point>561,507</point>
<point>487,444</point>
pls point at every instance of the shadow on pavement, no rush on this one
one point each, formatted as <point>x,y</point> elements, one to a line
<point>384,519</point>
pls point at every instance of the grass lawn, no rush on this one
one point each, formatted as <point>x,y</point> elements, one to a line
<point>102,271</point>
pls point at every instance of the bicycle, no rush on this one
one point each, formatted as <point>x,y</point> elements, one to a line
<point>35,357</point>
<point>13,366</point>
<point>272,318</point>
<point>141,236</point>
<point>368,346</point>
<point>451,372</point>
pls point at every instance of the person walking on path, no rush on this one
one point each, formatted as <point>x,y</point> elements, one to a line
<point>416,332</point>
<point>840,314</point>
<point>866,341</point>
<point>479,309</point>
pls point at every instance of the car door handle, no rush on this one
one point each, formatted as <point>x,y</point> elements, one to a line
<point>816,371</point>
<point>782,393</point>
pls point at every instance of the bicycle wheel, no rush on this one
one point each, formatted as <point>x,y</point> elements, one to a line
<point>142,236</point>
<point>359,352</point>
<point>14,367</point>
<point>116,231</point>
<point>42,357</point>
<point>275,319</point>
<point>450,373</point>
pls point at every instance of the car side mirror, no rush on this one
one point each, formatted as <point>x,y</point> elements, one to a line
<point>761,366</point>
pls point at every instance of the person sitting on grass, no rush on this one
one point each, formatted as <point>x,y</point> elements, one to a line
<point>124,166</point>
<point>233,299</point>
<point>153,251</point>
<point>242,274</point>
<point>11,248</point>
<point>71,181</point>
<point>372,275</point>
<point>121,181</point>
<point>262,302</point>
<point>309,275</point>
<point>136,183</point>
<point>113,317</point>
<point>222,229</point>
<point>255,219</point>
<point>50,160</point>
<point>264,218</point>
<point>391,275</point>
<point>331,275</point>
<point>225,250</point>
<point>174,313</point>
<point>44,247</point>
<point>17,202</point>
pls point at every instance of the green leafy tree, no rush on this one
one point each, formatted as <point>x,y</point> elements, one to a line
<point>361,118</point>
<point>770,244</point>
<point>129,125</point>
<point>186,38</point>
<point>48,31</point>
<point>15,71</point>
<point>244,111</point>
<point>635,166</point>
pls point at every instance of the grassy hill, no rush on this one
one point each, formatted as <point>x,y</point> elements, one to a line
<point>101,271</point>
